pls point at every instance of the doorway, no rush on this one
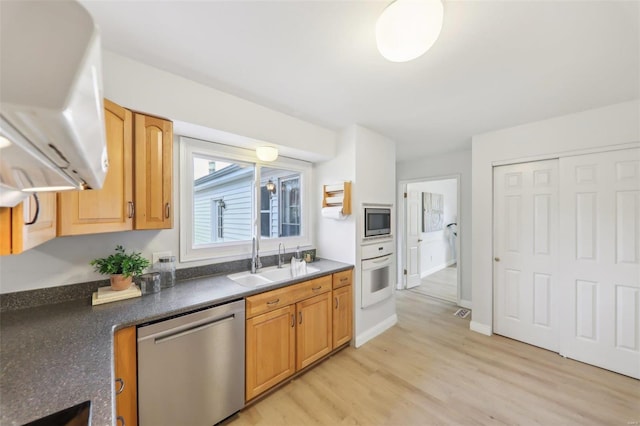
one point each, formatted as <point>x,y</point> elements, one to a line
<point>430,239</point>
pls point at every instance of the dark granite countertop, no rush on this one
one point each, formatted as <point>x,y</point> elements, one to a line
<point>56,356</point>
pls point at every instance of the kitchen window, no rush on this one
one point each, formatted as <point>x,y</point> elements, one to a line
<point>227,197</point>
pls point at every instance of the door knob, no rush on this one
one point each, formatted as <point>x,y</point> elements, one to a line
<point>497,259</point>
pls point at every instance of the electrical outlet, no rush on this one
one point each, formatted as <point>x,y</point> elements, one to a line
<point>157,255</point>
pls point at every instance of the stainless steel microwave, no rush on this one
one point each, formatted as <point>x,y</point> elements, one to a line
<point>377,221</point>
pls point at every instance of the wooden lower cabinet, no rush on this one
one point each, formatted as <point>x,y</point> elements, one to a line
<point>282,340</point>
<point>126,386</point>
<point>270,350</point>
<point>342,315</point>
<point>313,329</point>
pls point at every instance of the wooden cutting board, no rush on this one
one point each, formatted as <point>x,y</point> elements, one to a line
<point>106,295</point>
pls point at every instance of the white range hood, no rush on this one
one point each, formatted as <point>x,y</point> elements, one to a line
<point>52,134</point>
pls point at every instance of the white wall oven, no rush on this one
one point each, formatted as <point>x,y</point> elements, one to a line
<point>378,272</point>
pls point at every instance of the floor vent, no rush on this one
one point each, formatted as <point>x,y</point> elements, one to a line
<point>462,313</point>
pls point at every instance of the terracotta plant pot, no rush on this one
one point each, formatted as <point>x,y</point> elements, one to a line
<point>119,282</point>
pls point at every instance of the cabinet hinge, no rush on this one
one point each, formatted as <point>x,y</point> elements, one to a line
<point>405,195</point>
<point>405,272</point>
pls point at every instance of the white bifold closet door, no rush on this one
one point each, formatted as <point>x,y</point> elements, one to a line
<point>567,257</point>
<point>525,252</point>
<point>600,259</point>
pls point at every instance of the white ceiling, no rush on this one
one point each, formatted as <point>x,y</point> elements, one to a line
<point>496,64</point>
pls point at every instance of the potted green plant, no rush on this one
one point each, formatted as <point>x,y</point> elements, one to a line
<point>121,266</point>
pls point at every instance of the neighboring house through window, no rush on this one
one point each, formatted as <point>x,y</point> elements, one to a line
<point>217,221</point>
<point>290,207</point>
<point>227,199</point>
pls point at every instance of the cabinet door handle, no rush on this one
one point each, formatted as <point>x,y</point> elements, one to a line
<point>300,313</point>
<point>336,302</point>
<point>120,419</point>
<point>273,302</point>
<point>121,388</point>
<point>343,279</point>
<point>132,209</point>
<point>35,216</point>
<point>293,320</point>
<point>167,210</point>
<point>316,288</point>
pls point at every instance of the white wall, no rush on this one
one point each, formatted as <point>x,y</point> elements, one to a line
<point>435,250</point>
<point>336,239</point>
<point>375,171</point>
<point>141,87</point>
<point>597,128</point>
<point>368,160</point>
<point>137,86</point>
<point>446,165</point>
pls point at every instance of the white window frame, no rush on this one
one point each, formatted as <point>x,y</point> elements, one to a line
<point>225,251</point>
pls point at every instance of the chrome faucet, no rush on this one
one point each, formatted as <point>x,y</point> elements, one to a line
<point>280,256</point>
<point>255,256</point>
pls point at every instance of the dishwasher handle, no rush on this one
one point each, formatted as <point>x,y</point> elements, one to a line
<point>171,334</point>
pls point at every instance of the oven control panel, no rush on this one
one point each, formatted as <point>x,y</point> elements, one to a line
<point>371,251</point>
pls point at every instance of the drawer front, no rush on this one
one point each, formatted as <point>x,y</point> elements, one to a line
<point>270,300</point>
<point>313,288</point>
<point>344,278</point>
<point>274,299</point>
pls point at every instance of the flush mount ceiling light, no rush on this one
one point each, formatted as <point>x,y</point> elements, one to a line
<point>267,153</point>
<point>408,28</point>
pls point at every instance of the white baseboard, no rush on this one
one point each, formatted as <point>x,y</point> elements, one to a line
<point>376,330</point>
<point>481,328</point>
<point>465,304</point>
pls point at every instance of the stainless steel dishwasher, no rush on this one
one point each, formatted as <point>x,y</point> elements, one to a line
<point>191,367</point>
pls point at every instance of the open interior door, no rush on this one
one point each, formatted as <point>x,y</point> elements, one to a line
<point>413,210</point>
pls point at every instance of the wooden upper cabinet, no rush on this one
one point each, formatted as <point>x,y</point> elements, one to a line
<point>5,231</point>
<point>30,223</point>
<point>110,208</point>
<point>153,172</point>
<point>138,190</point>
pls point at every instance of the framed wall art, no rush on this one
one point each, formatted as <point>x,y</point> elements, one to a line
<point>432,212</point>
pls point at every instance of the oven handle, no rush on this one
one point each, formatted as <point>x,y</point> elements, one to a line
<point>377,262</point>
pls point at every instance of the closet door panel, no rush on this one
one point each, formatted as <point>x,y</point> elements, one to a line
<point>599,254</point>
<point>525,252</point>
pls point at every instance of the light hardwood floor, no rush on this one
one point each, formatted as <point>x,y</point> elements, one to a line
<point>442,284</point>
<point>430,369</point>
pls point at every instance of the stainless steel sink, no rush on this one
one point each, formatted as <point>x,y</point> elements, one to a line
<point>267,276</point>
